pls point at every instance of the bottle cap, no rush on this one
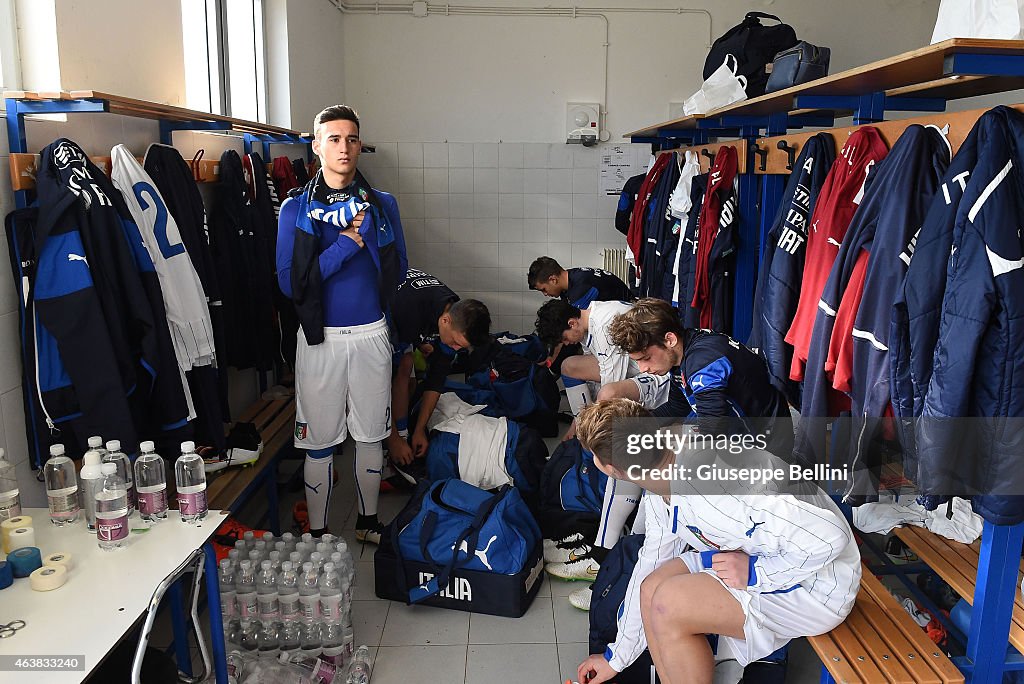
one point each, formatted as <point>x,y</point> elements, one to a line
<point>114,445</point>
<point>147,446</point>
<point>56,449</point>
<point>108,469</point>
<point>306,567</point>
<point>265,565</point>
<point>225,563</point>
<point>91,458</point>
<point>286,566</point>
<point>188,447</point>
<point>328,567</point>
<point>95,442</point>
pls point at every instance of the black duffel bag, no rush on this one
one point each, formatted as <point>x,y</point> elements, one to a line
<point>799,64</point>
<point>754,46</point>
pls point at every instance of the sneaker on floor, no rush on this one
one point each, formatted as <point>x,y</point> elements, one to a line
<point>581,598</point>
<point>370,535</point>
<point>213,461</point>
<point>244,444</point>
<point>573,539</point>
<point>580,566</point>
<point>898,552</point>
<point>561,551</point>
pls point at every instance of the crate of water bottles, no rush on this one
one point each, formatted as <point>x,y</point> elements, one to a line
<point>290,598</point>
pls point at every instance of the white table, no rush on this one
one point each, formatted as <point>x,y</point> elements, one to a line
<point>105,594</point>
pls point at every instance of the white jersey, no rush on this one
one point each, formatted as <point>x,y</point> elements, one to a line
<point>615,364</point>
<point>806,569</point>
<point>188,315</point>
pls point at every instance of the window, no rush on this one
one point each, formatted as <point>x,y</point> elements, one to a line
<point>225,61</point>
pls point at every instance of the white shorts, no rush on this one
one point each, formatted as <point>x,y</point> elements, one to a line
<point>654,389</point>
<point>343,385</point>
<point>772,620</point>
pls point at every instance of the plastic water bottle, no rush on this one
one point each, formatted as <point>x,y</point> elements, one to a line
<point>151,484</point>
<point>124,469</point>
<point>275,561</point>
<point>10,496</point>
<point>267,640</point>
<point>348,636</point>
<point>266,593</point>
<point>333,644</point>
<point>226,581</point>
<point>190,474</point>
<point>309,593</point>
<point>288,593</point>
<point>330,595</point>
<point>309,639</point>
<point>269,538</point>
<point>245,591</point>
<point>250,635</point>
<point>317,560</point>
<point>317,670</point>
<point>91,477</point>
<point>289,639</point>
<point>111,510</point>
<point>61,487</point>
<point>359,672</point>
<point>96,444</point>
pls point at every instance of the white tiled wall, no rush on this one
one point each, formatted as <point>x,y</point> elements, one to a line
<point>96,133</point>
<point>476,214</point>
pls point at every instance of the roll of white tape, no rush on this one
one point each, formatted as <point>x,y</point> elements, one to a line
<point>8,526</point>
<point>21,538</point>
<point>48,578</point>
<point>60,558</point>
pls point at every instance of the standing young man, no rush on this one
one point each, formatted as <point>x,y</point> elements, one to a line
<point>429,316</point>
<point>340,257</point>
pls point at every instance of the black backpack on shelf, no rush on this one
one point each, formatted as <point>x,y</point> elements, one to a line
<point>754,47</point>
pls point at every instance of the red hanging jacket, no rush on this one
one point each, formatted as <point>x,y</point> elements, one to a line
<point>635,236</point>
<point>720,181</point>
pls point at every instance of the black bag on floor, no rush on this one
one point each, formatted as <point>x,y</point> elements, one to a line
<point>456,546</point>
<point>571,492</point>
<point>609,591</point>
<point>754,46</point>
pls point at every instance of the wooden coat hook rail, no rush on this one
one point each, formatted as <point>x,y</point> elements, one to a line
<point>779,159</point>
<point>706,153</point>
<point>23,169</point>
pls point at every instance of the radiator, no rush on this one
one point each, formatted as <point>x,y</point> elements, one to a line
<point>615,262</point>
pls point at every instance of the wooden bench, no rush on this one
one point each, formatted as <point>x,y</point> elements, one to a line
<point>957,564</point>
<point>879,642</point>
<point>232,487</point>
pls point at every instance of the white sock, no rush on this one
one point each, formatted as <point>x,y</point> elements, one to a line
<point>368,463</point>
<point>620,498</point>
<point>578,394</point>
<point>318,473</point>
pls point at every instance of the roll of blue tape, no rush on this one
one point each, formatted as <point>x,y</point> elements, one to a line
<point>24,561</point>
<point>6,575</point>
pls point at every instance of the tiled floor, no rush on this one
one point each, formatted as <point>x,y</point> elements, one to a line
<point>420,644</point>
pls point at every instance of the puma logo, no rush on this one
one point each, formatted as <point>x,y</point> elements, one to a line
<point>78,257</point>
<point>316,489</point>
<point>697,382</point>
<point>479,553</point>
<point>753,529</point>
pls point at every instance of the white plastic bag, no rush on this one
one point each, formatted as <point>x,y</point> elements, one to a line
<point>721,88</point>
<point>979,19</point>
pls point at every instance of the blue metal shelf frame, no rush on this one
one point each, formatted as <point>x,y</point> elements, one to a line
<point>267,139</point>
<point>996,583</point>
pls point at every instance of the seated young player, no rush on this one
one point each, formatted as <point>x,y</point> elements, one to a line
<point>576,286</point>
<point>708,374</point>
<point>603,362</point>
<point>756,569</point>
<point>429,316</point>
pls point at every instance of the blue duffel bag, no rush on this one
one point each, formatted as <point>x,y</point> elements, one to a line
<point>457,546</point>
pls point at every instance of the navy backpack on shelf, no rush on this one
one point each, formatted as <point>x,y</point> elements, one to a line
<point>524,458</point>
<point>457,546</point>
<point>571,491</point>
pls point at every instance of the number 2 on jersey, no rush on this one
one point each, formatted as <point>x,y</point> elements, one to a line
<point>160,225</point>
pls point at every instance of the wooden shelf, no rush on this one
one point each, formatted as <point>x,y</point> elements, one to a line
<point>919,73</point>
<point>118,104</point>
<point>712,148</point>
